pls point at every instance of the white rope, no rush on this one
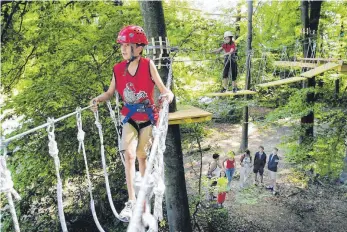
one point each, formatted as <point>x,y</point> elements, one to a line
<point>53,151</point>
<point>117,123</point>
<point>41,126</point>
<point>104,166</point>
<point>80,137</point>
<point>6,186</point>
<point>154,175</point>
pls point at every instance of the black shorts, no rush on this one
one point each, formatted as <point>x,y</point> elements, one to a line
<point>230,65</point>
<point>259,169</point>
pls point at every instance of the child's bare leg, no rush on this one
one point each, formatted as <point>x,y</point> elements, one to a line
<point>143,147</point>
<point>130,156</point>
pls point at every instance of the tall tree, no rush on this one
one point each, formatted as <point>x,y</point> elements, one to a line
<point>176,193</point>
<point>310,14</point>
<point>343,176</point>
<point>244,142</point>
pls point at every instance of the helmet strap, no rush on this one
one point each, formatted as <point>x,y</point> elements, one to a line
<point>132,58</point>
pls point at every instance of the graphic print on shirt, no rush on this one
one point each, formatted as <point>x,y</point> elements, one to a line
<point>130,95</point>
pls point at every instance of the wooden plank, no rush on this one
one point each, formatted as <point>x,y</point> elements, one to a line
<point>343,68</point>
<point>318,59</point>
<point>295,64</point>
<point>282,82</point>
<point>320,69</point>
<point>189,114</point>
<point>190,120</point>
<point>230,93</point>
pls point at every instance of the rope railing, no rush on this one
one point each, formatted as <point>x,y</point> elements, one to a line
<point>6,184</point>
<point>6,141</point>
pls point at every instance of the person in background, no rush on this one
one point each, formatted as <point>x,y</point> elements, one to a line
<point>259,164</point>
<point>213,174</point>
<point>215,166</point>
<point>229,167</point>
<point>246,167</point>
<point>230,64</point>
<point>222,184</point>
<point>272,166</point>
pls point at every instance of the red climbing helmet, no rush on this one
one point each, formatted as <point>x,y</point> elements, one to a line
<point>132,34</point>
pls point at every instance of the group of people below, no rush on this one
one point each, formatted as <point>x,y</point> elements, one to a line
<point>222,173</point>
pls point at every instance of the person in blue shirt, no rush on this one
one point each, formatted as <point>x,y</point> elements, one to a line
<point>272,165</point>
<point>259,164</point>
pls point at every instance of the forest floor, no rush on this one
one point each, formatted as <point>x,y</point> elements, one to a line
<point>297,207</point>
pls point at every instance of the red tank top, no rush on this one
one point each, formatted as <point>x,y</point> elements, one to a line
<point>135,89</point>
<point>228,47</point>
<point>230,164</point>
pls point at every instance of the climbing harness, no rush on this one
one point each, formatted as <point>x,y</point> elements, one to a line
<point>138,108</point>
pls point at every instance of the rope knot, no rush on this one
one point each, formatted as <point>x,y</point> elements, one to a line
<point>98,124</point>
<point>52,144</point>
<point>6,183</point>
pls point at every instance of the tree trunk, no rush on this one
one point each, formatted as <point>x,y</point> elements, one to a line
<point>343,176</point>
<point>311,23</point>
<point>238,21</point>
<point>176,193</point>
<point>244,142</point>
<point>337,88</point>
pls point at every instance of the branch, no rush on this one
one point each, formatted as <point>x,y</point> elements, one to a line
<point>9,19</point>
<point>17,76</point>
<point>22,17</point>
<point>107,59</point>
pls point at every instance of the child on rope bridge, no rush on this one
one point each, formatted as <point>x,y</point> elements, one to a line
<point>134,79</point>
<point>229,48</point>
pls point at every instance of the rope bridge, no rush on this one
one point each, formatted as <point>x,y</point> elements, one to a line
<point>151,184</point>
<point>154,171</point>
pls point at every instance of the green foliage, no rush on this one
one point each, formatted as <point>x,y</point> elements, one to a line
<point>56,55</point>
<point>324,155</point>
<point>68,51</point>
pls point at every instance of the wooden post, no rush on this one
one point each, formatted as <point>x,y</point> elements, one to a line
<point>176,193</point>
<point>310,22</point>
<point>244,142</point>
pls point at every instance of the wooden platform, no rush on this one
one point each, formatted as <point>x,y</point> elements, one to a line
<point>282,82</point>
<point>230,93</point>
<point>189,114</point>
<point>295,64</point>
<point>320,69</point>
<point>318,59</point>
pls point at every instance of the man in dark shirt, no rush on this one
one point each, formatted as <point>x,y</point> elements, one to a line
<point>259,164</point>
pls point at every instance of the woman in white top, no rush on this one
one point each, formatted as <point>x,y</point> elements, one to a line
<point>215,166</point>
<point>246,167</point>
<point>214,173</point>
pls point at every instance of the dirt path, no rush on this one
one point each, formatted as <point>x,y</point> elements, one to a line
<point>255,208</point>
